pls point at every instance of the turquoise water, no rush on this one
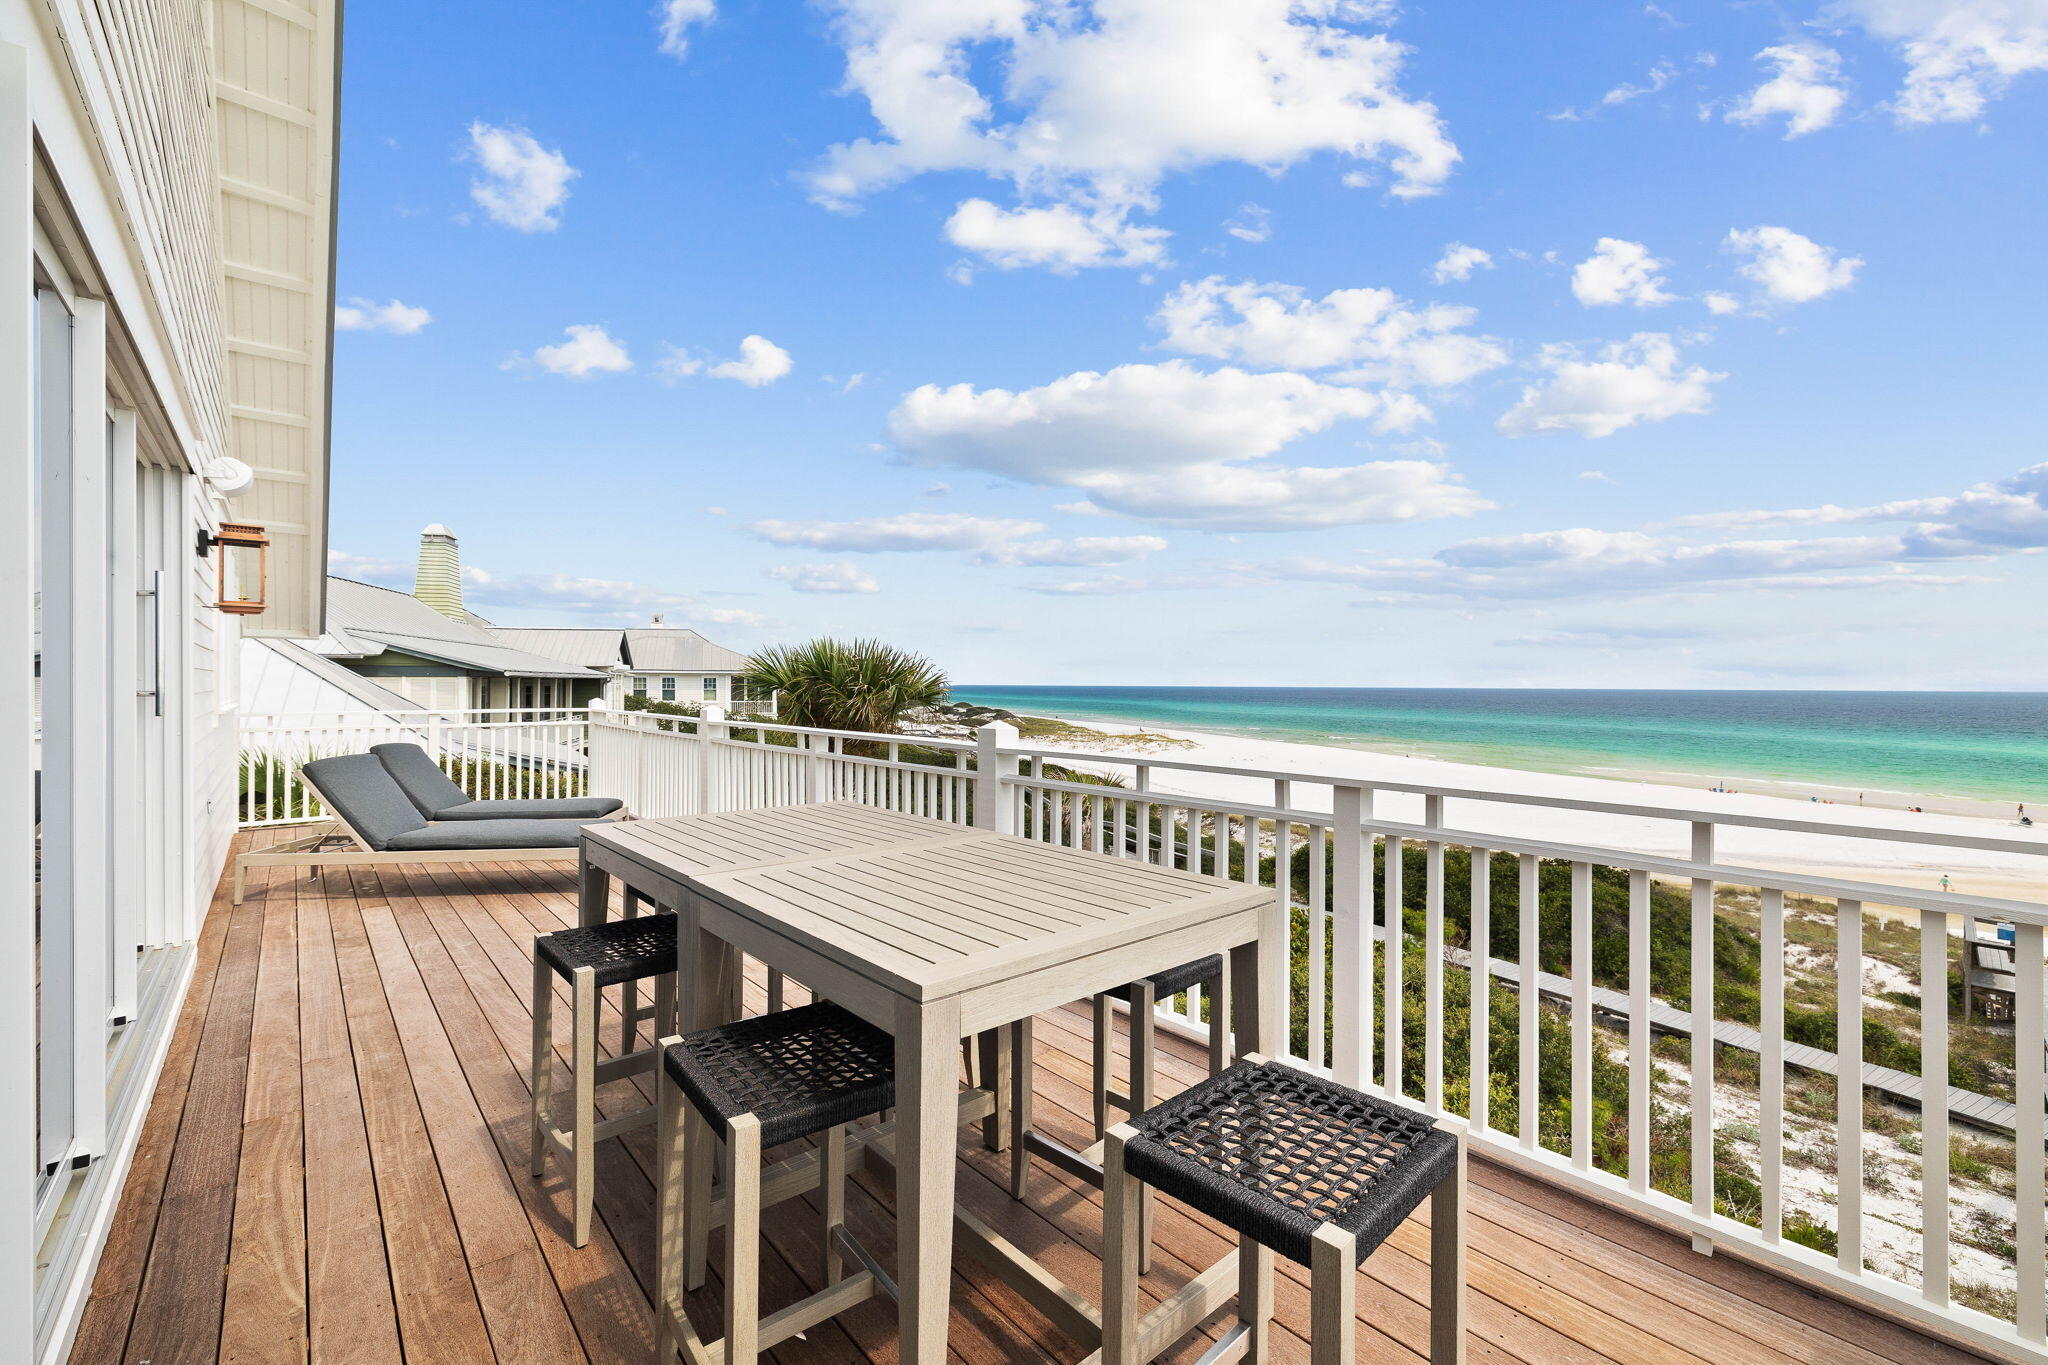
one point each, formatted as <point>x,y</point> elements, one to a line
<point>1898,745</point>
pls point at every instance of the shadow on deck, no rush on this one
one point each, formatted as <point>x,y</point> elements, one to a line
<point>334,1170</point>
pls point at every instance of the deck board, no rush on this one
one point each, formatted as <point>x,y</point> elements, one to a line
<point>334,1170</point>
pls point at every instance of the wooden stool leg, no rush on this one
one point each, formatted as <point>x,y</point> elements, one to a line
<point>699,1152</point>
<point>1022,1069</point>
<point>629,994</point>
<point>543,1072</point>
<point>1144,1028</point>
<point>583,1179</point>
<point>1333,1297</point>
<point>1105,1020</point>
<point>664,1012</point>
<point>668,1243</point>
<point>1255,1299</point>
<point>832,1186</point>
<point>1447,1262</point>
<point>1120,1296</point>
<point>1219,1021</point>
<point>743,1241</point>
<point>995,1078</point>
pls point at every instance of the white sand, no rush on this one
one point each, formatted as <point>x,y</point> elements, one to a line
<point>2016,875</point>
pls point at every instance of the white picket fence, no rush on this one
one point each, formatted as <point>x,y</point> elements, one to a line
<point>1356,1012</point>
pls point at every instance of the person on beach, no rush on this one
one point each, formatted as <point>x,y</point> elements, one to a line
<point>1944,881</point>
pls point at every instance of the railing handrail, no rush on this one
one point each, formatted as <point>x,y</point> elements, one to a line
<point>1686,814</point>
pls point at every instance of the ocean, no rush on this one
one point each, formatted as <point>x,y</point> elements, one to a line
<point>1990,746</point>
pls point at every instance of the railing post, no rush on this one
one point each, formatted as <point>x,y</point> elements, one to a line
<point>1351,901</point>
<point>817,773</point>
<point>708,732</point>
<point>992,806</point>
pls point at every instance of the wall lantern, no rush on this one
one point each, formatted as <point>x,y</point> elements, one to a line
<point>244,571</point>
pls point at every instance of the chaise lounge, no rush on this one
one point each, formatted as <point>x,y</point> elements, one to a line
<point>438,798</point>
<point>377,823</point>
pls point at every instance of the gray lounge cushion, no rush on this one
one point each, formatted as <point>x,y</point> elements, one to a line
<point>359,789</point>
<point>438,798</point>
<point>450,835</point>
<point>557,808</point>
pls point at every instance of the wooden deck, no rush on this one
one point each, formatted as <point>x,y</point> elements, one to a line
<point>334,1170</point>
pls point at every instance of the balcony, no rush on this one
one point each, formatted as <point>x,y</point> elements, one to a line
<point>335,1164</point>
<point>336,1153</point>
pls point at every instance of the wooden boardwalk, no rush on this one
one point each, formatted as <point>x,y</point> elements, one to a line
<point>334,1171</point>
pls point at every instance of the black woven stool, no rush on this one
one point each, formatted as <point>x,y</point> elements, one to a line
<point>616,953</point>
<point>1298,1166</point>
<point>756,1084</point>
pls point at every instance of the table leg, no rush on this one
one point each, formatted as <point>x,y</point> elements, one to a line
<point>593,894</point>
<point>704,968</point>
<point>927,1135</point>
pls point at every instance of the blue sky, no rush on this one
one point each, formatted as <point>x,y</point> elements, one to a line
<point>1132,341</point>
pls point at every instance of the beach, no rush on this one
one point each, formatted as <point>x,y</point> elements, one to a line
<point>2015,875</point>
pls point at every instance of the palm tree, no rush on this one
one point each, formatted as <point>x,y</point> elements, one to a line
<point>846,684</point>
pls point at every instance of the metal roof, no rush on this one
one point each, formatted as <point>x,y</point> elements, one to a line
<point>568,644</point>
<point>366,620</point>
<point>669,649</point>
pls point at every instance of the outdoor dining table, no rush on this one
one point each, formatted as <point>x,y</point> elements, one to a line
<point>934,932</point>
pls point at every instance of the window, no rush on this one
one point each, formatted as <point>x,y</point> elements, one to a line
<point>639,686</point>
<point>711,689</point>
<point>668,689</point>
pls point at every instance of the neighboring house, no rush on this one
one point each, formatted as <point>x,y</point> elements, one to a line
<point>665,663</point>
<point>386,650</point>
<point>166,231</point>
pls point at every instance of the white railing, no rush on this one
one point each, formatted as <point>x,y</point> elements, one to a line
<point>1731,1131</point>
<point>489,754</point>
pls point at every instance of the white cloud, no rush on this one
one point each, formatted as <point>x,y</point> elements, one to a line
<point>1059,236</point>
<point>1133,417</point>
<point>1099,101</point>
<point>1719,303</point>
<point>366,568</point>
<point>1169,443</point>
<point>364,315</point>
<point>1660,75</point>
<point>1638,380</point>
<point>1375,333</point>
<point>1984,522</point>
<point>825,577</point>
<point>1458,262</point>
<point>677,18</point>
<point>1959,54</point>
<point>589,350</point>
<point>1789,268</point>
<point>993,540</point>
<point>1257,497</point>
<point>1080,552</point>
<point>1620,272</point>
<point>523,184</point>
<point>1806,88</point>
<point>760,362</point>
<point>1252,224</point>
<point>608,600</point>
<point>1596,476</point>
<point>907,531</point>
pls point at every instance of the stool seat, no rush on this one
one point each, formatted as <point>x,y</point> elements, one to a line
<point>1275,1153</point>
<point>799,1071</point>
<point>1175,979</point>
<point>619,950</point>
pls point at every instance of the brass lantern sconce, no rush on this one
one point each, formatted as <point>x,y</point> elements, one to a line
<point>243,573</point>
